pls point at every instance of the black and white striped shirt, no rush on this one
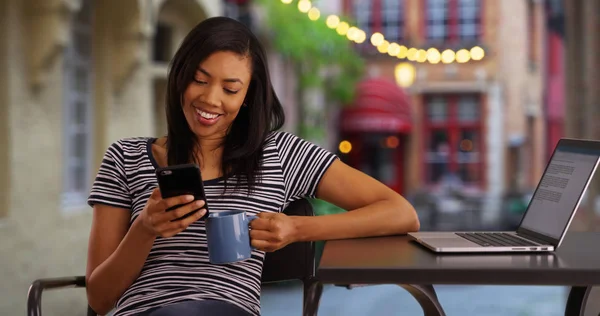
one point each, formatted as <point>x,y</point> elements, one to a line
<point>177,268</point>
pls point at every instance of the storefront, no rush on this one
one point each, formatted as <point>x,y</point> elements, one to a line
<point>375,131</point>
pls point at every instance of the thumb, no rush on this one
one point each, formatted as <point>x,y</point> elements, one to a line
<point>156,194</point>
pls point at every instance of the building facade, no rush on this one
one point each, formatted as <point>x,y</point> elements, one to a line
<point>479,122</point>
<point>76,75</point>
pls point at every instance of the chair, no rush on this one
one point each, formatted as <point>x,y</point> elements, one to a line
<point>294,262</point>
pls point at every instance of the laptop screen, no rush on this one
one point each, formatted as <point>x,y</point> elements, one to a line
<point>560,189</point>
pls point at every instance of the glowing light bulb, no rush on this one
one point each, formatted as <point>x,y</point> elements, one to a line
<point>314,14</point>
<point>463,56</point>
<point>434,56</point>
<point>448,56</point>
<point>377,39</point>
<point>304,5</point>
<point>332,21</point>
<point>477,53</point>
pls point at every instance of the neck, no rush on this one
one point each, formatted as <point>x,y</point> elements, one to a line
<point>210,151</point>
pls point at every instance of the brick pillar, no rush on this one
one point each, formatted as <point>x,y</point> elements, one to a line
<point>573,68</point>
<point>591,97</point>
<point>582,63</point>
<point>591,70</point>
<point>4,111</point>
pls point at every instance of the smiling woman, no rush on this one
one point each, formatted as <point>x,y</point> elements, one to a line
<point>214,99</point>
<point>222,114</point>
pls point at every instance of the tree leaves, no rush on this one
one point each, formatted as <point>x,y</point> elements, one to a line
<point>315,49</point>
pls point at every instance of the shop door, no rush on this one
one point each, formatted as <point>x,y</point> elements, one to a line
<point>381,157</point>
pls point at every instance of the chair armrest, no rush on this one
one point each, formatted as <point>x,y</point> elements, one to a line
<point>34,295</point>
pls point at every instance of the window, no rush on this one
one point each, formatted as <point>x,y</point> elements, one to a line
<point>453,20</point>
<point>239,10</point>
<point>453,138</point>
<point>384,16</point>
<point>163,42</point>
<point>78,110</point>
<point>437,20</point>
<point>532,34</point>
<point>392,20</point>
<point>364,15</point>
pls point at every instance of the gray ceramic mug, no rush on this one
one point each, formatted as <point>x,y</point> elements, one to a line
<point>228,236</point>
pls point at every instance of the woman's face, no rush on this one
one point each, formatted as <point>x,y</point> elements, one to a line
<point>213,99</point>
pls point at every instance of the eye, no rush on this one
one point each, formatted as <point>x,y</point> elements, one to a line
<point>230,91</point>
<point>199,81</point>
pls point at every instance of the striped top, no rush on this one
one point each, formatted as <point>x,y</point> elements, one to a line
<point>177,268</point>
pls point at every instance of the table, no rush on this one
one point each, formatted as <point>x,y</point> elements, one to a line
<point>398,260</point>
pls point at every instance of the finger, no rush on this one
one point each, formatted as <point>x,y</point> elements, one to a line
<point>176,200</point>
<point>263,245</point>
<point>162,220</point>
<point>260,235</point>
<point>179,212</point>
<point>261,224</point>
<point>156,194</point>
<point>266,215</point>
<point>183,210</point>
<point>182,224</point>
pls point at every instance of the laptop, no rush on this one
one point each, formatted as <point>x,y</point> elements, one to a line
<point>566,177</point>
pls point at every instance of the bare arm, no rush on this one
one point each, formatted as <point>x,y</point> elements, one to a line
<point>116,255</point>
<point>375,209</point>
<point>116,252</point>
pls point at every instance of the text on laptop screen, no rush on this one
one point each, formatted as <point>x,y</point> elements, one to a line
<point>559,190</point>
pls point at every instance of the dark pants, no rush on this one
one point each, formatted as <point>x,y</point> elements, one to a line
<point>198,308</point>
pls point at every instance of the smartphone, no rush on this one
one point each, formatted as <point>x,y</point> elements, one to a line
<point>180,180</point>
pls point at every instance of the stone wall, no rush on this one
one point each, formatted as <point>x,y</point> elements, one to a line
<point>39,238</point>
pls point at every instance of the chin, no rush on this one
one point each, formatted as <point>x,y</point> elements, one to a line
<point>208,132</point>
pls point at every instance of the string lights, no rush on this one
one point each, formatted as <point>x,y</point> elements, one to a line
<point>355,34</point>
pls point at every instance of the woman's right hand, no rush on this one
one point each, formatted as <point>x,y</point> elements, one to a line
<point>157,221</point>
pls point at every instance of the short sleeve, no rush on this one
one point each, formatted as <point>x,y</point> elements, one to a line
<point>303,164</point>
<point>110,186</point>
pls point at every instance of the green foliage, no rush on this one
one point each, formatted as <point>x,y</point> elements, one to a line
<point>312,46</point>
<point>322,207</point>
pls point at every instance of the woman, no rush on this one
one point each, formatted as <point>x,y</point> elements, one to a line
<point>222,114</point>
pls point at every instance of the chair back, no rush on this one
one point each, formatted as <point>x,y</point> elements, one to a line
<point>296,261</point>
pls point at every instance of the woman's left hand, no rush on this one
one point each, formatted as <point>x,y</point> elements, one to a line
<point>272,231</point>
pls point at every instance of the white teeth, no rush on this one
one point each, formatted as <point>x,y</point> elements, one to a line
<point>206,115</point>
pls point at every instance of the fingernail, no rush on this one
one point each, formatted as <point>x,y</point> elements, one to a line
<point>189,197</point>
<point>199,203</point>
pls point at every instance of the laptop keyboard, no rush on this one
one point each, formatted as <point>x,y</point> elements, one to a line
<point>491,239</point>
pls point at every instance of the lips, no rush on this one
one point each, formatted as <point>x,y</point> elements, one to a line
<point>207,115</point>
<point>206,118</point>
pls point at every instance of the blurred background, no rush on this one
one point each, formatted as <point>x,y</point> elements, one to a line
<point>455,104</point>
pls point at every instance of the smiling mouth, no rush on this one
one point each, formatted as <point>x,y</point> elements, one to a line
<point>207,115</point>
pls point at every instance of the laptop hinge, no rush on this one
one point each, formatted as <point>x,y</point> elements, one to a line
<point>534,237</point>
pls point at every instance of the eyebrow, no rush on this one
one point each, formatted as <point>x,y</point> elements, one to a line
<point>226,79</point>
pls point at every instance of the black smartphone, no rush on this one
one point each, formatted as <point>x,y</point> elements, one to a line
<point>180,180</point>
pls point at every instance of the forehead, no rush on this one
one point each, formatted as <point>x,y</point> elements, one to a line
<point>227,64</point>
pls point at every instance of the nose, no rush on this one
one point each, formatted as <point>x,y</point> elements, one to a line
<point>211,95</point>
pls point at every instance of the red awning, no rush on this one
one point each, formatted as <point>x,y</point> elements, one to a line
<point>380,106</point>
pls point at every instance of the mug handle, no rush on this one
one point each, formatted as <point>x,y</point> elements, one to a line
<point>249,219</point>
